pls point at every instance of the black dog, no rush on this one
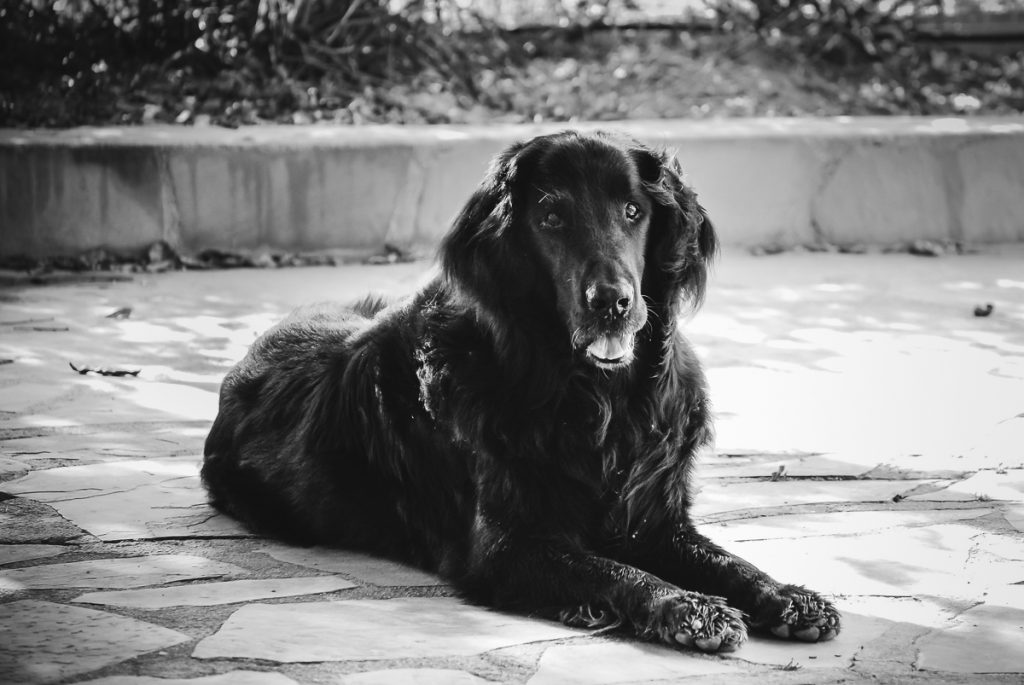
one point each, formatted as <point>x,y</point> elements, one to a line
<point>524,425</point>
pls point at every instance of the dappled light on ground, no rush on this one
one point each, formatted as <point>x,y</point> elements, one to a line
<point>848,357</point>
<point>878,355</point>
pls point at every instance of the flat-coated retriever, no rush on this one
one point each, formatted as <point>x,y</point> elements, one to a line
<point>525,424</point>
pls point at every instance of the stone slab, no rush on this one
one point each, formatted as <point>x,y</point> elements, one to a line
<point>985,639</point>
<point>362,567</point>
<point>210,594</point>
<point>905,620</point>
<point>941,560</point>
<point>25,521</point>
<point>1003,446</point>
<point>867,464</point>
<point>940,491</point>
<point>845,523</point>
<point>42,642</point>
<point>18,398</point>
<point>754,465</point>
<point>367,630</point>
<point>1015,517</point>
<point>413,676</point>
<point>993,485</point>
<point>12,468</point>
<point>100,444</point>
<point>12,554</point>
<point>140,399</point>
<point>229,678</point>
<point>922,612</point>
<point>857,630</point>
<point>130,499</point>
<point>607,663</point>
<point>125,572</point>
<point>717,497</point>
<point>996,558</point>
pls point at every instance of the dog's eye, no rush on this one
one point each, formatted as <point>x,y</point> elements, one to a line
<point>552,220</point>
<point>632,211</point>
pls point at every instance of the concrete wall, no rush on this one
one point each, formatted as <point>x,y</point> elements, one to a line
<point>768,181</point>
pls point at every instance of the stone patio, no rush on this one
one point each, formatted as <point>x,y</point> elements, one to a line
<point>870,445</point>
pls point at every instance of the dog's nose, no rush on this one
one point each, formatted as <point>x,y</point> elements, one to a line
<point>612,298</point>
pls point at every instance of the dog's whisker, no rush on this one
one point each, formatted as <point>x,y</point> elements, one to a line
<point>576,340</point>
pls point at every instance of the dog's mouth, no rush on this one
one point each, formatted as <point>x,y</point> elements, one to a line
<point>611,351</point>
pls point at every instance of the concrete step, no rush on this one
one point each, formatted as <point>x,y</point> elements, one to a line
<point>764,181</point>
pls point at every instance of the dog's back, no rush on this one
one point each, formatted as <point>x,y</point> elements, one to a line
<point>282,404</point>
<point>320,437</point>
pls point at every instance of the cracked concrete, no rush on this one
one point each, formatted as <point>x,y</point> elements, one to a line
<point>870,445</point>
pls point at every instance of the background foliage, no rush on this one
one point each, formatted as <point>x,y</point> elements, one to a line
<point>233,62</point>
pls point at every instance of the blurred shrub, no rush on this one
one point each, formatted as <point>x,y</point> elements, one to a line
<point>276,47</point>
<point>876,46</point>
<point>232,62</point>
<point>841,31</point>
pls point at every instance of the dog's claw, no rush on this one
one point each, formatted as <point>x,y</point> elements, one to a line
<point>781,631</point>
<point>709,644</point>
<point>684,639</point>
<point>808,634</point>
<point>586,616</point>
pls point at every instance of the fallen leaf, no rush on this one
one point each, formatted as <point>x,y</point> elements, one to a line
<point>122,313</point>
<point>104,371</point>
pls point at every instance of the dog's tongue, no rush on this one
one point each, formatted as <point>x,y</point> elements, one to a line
<point>610,347</point>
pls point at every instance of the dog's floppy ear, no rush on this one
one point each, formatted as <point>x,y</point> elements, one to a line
<point>682,240</point>
<point>481,254</point>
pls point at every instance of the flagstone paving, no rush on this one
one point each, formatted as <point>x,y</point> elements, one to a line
<point>208,594</point>
<point>360,566</point>
<point>870,445</point>
<point>43,641</point>
<point>603,664</point>
<point>118,572</point>
<point>336,631</point>
<point>993,628</point>
<point>157,497</point>
<point>10,554</point>
<point>413,676</point>
<point>229,678</point>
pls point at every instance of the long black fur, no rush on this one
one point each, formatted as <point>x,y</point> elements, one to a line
<point>466,429</point>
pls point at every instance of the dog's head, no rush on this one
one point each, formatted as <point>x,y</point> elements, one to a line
<point>590,235</point>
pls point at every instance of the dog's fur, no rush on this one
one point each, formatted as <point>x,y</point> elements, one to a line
<point>525,425</point>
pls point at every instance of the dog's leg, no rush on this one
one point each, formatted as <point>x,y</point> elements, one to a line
<point>787,611</point>
<point>592,591</point>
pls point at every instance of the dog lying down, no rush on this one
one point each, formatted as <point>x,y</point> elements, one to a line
<point>524,425</point>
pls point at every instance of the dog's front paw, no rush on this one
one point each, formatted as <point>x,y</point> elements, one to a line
<point>695,620</point>
<point>801,614</point>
